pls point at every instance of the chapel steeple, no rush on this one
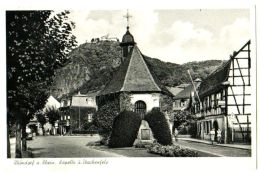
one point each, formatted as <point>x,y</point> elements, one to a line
<point>128,40</point>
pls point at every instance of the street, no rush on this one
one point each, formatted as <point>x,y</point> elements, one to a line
<point>76,147</point>
<point>65,147</point>
<point>215,150</point>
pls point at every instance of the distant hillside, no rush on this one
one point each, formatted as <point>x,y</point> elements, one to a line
<point>92,66</point>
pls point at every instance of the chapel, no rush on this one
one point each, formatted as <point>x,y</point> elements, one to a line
<point>134,85</point>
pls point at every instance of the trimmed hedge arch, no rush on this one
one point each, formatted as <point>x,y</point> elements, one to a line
<point>159,126</point>
<point>125,129</point>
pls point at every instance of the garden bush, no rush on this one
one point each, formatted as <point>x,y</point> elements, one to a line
<point>171,151</point>
<point>159,126</point>
<point>193,130</point>
<point>183,130</point>
<point>142,144</point>
<point>104,117</point>
<point>125,129</point>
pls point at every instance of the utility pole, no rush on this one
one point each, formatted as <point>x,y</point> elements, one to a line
<point>195,90</point>
<point>79,117</point>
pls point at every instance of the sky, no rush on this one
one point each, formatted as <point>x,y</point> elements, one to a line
<point>176,36</point>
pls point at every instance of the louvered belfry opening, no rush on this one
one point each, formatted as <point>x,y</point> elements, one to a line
<point>140,108</point>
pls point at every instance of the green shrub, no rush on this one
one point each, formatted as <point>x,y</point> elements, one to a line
<point>88,128</point>
<point>193,130</point>
<point>104,117</point>
<point>171,151</point>
<point>183,130</point>
<point>141,144</point>
<point>159,126</point>
<point>125,129</point>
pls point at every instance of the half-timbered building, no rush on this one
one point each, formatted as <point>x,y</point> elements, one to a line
<point>225,100</point>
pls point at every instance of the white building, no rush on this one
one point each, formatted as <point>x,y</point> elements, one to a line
<point>52,103</point>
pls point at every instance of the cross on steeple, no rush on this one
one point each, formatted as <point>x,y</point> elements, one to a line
<point>127,16</point>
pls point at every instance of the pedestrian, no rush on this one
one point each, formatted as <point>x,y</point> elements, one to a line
<point>212,135</point>
<point>176,134</point>
<point>219,135</point>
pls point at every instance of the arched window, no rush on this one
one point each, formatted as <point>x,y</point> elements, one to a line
<point>140,108</point>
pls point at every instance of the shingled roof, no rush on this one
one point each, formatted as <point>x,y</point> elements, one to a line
<point>134,75</point>
<point>213,83</point>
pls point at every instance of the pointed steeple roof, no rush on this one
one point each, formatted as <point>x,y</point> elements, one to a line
<point>134,76</point>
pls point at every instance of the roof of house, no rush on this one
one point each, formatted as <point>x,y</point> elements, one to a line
<point>86,94</point>
<point>134,75</point>
<point>174,90</point>
<point>182,86</point>
<point>213,83</point>
<point>186,93</point>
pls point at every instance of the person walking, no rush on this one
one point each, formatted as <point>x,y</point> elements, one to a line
<point>212,135</point>
<point>219,135</point>
<point>176,134</point>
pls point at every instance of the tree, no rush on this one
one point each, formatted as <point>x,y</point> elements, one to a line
<point>104,117</point>
<point>41,119</point>
<point>53,115</point>
<point>38,42</point>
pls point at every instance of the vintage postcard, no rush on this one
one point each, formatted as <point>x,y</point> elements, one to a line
<point>107,87</point>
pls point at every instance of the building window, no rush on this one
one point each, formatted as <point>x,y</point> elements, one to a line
<point>183,102</point>
<point>65,103</point>
<point>213,100</point>
<point>89,100</point>
<point>90,117</point>
<point>140,108</point>
<point>174,103</point>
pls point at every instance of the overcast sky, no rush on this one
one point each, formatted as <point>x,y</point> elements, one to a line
<point>177,36</point>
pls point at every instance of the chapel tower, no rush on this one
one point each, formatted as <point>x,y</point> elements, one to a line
<point>128,40</point>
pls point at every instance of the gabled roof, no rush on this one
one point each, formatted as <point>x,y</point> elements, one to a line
<point>186,93</point>
<point>213,83</point>
<point>175,90</point>
<point>87,94</point>
<point>182,86</point>
<point>134,75</point>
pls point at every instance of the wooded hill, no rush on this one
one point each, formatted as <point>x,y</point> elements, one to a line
<point>92,65</point>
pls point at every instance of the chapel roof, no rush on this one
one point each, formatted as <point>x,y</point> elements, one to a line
<point>134,75</point>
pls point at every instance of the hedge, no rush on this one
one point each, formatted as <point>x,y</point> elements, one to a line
<point>104,117</point>
<point>171,151</point>
<point>125,129</point>
<point>141,144</point>
<point>159,126</point>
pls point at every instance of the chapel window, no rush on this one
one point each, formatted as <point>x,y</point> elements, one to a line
<point>140,108</point>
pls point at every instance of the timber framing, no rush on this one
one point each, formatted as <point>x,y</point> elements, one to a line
<point>230,86</point>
